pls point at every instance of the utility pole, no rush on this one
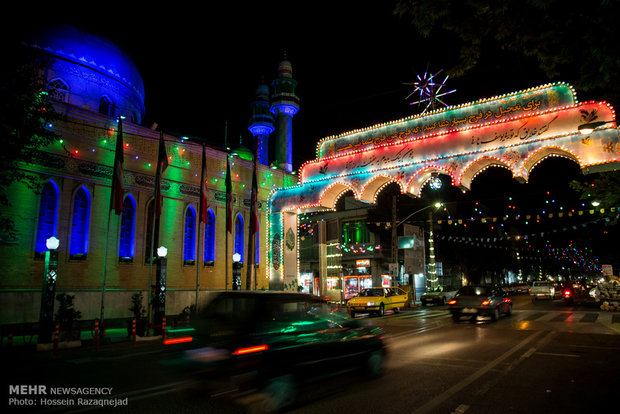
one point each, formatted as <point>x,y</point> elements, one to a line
<point>394,242</point>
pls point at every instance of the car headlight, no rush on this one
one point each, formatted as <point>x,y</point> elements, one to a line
<point>370,304</point>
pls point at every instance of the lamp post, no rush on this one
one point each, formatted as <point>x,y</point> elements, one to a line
<point>159,310</point>
<point>46,314</point>
<point>236,282</point>
<point>396,224</point>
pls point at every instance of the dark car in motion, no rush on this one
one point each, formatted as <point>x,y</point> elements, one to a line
<point>272,343</point>
<point>480,300</point>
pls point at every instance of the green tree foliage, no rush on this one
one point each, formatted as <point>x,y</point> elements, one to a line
<point>603,188</point>
<point>572,42</point>
<point>25,116</point>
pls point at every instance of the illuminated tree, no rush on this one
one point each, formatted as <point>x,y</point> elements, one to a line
<point>25,119</point>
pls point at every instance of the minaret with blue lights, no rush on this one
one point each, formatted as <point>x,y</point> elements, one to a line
<point>261,123</point>
<point>284,105</point>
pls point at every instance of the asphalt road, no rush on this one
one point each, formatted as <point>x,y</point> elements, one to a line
<point>546,357</point>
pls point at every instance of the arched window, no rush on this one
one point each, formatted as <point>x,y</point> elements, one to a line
<point>126,244</point>
<point>209,251</point>
<point>79,224</point>
<point>239,236</point>
<point>257,247</point>
<point>46,225</point>
<point>58,90</point>
<point>106,107</point>
<point>189,240</point>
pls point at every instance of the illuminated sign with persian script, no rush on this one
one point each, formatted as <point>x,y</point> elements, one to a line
<point>514,131</point>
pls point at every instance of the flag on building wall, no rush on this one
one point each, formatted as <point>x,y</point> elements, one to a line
<point>229,197</point>
<point>203,187</point>
<point>162,164</point>
<point>118,182</point>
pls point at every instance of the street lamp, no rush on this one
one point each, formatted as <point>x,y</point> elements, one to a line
<point>236,282</point>
<point>159,305</point>
<point>395,225</point>
<point>46,314</point>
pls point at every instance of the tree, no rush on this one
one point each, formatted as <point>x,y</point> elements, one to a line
<point>574,44</point>
<point>603,188</point>
<point>25,117</point>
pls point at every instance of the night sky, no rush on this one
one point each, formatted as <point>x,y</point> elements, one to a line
<point>201,67</point>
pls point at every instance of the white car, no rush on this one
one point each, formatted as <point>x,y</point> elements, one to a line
<point>542,289</point>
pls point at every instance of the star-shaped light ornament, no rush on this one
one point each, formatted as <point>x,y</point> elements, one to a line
<point>429,91</point>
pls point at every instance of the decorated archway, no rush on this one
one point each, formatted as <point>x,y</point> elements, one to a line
<point>515,131</point>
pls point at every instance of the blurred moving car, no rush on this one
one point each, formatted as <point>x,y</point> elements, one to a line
<point>439,295</point>
<point>480,300</point>
<point>272,343</point>
<point>377,300</point>
<point>542,289</point>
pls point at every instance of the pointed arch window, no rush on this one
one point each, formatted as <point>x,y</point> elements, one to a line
<point>58,90</point>
<point>80,224</point>
<point>126,244</point>
<point>209,245</point>
<point>189,239</point>
<point>257,247</point>
<point>106,107</point>
<point>48,212</point>
<point>239,236</point>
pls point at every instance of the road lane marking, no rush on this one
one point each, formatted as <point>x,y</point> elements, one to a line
<point>431,405</point>
<point>560,355</point>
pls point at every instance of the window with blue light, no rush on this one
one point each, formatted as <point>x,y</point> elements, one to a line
<point>58,90</point>
<point>257,248</point>
<point>79,225</point>
<point>126,245</point>
<point>106,107</point>
<point>48,212</point>
<point>239,236</point>
<point>189,239</point>
<point>209,247</point>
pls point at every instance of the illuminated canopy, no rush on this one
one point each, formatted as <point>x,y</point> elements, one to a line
<point>514,131</point>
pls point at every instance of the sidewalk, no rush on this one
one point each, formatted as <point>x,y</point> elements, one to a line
<point>114,345</point>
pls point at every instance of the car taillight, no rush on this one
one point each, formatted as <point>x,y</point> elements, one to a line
<point>251,349</point>
<point>567,293</point>
<point>485,302</point>
<point>452,302</point>
<point>181,340</point>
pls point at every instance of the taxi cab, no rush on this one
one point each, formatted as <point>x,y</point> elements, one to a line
<point>377,300</point>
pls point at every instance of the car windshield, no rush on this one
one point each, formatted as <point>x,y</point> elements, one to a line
<point>474,291</point>
<point>541,284</point>
<point>372,292</point>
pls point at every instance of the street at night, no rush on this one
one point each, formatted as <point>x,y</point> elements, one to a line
<point>404,207</point>
<point>545,357</point>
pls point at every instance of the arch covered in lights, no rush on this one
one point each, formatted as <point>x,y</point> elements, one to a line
<point>514,131</point>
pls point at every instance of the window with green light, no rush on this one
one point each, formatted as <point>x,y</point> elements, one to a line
<point>355,232</point>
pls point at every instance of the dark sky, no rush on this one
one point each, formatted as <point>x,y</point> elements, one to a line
<point>201,67</point>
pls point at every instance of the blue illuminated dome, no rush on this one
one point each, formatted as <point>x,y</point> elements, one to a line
<point>90,72</point>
